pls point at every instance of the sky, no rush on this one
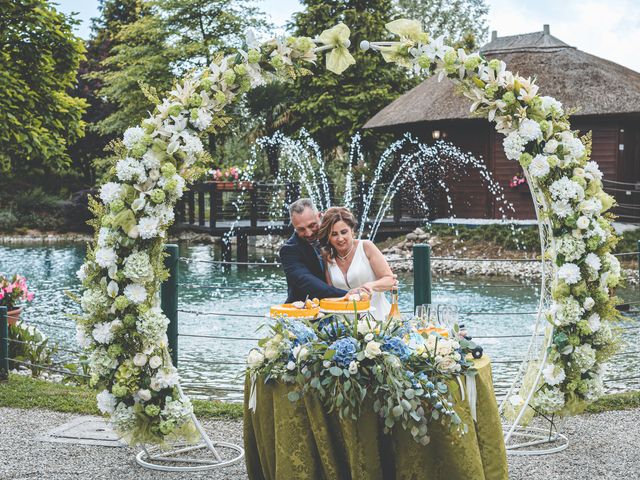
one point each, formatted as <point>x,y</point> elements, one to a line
<point>609,29</point>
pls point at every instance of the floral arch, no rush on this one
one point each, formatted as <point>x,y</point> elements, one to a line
<point>124,330</point>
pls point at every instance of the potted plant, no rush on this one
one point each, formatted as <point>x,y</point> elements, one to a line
<point>229,179</point>
<point>13,292</point>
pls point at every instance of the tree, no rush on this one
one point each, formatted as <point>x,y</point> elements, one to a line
<point>331,107</point>
<point>40,57</point>
<point>460,21</point>
<point>114,14</point>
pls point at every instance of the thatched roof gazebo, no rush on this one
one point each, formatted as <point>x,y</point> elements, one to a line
<point>604,96</point>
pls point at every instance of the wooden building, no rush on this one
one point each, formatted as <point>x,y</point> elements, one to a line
<point>605,97</point>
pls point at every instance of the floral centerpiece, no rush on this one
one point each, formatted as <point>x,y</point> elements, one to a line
<point>517,180</point>
<point>231,174</point>
<point>13,292</point>
<point>407,375</point>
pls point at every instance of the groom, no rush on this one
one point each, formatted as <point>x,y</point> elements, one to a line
<point>300,256</point>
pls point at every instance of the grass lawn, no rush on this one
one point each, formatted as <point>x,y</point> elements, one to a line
<point>27,392</point>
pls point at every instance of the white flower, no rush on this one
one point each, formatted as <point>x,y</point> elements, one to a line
<point>549,400</point>
<point>588,303</point>
<point>132,136</point>
<point>139,359</point>
<point>106,257</point>
<point>106,402</point>
<point>567,312</point>
<point>152,325</point>
<point>155,361</point>
<point>112,289</point>
<point>572,145</point>
<point>571,248</point>
<point>562,208</point>
<point>82,272</point>
<point>192,145</point>
<point>138,204</point>
<point>516,400</point>
<point>255,358</point>
<point>148,227</point>
<point>529,130</point>
<point>513,145</point>
<point>551,146</point>
<point>130,170</point>
<point>291,365</point>
<point>591,207</point>
<point>539,166</point>
<point>102,332</point>
<point>551,106</point>
<point>203,120</point>
<point>136,293</point>
<point>368,337</point>
<point>151,160</point>
<point>365,326</point>
<point>109,192</point>
<point>353,367</point>
<point>300,353</point>
<point>165,378</point>
<point>583,222</point>
<point>566,189</point>
<point>372,350</point>
<point>84,340</point>
<point>593,170</point>
<point>593,262</point>
<point>594,322</point>
<point>570,273</point>
<point>583,357</point>
<point>144,395</point>
<point>553,374</point>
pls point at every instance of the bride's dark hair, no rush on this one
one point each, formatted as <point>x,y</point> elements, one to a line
<point>332,216</point>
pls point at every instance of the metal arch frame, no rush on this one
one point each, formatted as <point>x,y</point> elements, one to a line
<point>536,356</point>
<point>154,458</point>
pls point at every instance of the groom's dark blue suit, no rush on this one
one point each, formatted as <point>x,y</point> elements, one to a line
<point>303,268</point>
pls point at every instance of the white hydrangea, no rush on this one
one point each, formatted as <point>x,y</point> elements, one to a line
<point>539,166</point>
<point>594,322</point>
<point>148,227</point>
<point>613,264</point>
<point>592,171</point>
<point>163,212</point>
<point>103,333</point>
<point>593,262</point>
<point>84,341</point>
<point>568,312</point>
<point>100,363</point>
<point>513,145</point>
<point>553,374</point>
<point>132,136</point>
<point>177,411</point>
<point>151,160</point>
<point>136,293</point>
<point>566,189</point>
<point>551,106</point>
<point>529,130</point>
<point>595,388</point>
<point>82,272</point>
<point>192,145</point>
<point>561,208</point>
<point>591,206</point>
<point>549,400</point>
<point>93,300</point>
<point>137,267</point>
<point>123,418</point>
<point>583,357</point>
<point>152,325</point>
<point>203,120</point>
<point>571,248</point>
<point>130,170</point>
<point>604,335</point>
<point>106,402</point>
<point>110,192</point>
<point>570,273</point>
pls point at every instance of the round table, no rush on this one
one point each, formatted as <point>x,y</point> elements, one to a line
<point>299,440</point>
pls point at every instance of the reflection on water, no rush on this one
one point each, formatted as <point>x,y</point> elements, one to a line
<point>232,304</point>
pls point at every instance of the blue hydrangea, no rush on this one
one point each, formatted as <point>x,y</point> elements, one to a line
<point>328,327</point>
<point>396,346</point>
<point>302,332</point>
<point>345,349</point>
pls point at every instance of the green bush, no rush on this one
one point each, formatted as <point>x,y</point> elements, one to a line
<point>36,199</point>
<point>8,221</point>
<point>512,237</point>
<point>42,221</point>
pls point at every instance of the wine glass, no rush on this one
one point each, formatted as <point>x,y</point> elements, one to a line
<point>421,314</point>
<point>447,316</point>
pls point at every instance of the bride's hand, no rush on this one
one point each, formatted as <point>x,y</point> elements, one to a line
<point>367,287</point>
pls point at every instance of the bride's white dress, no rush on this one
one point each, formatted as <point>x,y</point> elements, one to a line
<point>359,273</point>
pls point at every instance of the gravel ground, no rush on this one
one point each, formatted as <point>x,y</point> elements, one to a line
<point>602,446</point>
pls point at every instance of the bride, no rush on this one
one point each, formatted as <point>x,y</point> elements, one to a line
<point>354,264</point>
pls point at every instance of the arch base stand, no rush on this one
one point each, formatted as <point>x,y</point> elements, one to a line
<point>536,440</point>
<point>181,458</point>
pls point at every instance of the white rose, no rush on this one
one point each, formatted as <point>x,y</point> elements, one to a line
<point>291,365</point>
<point>138,204</point>
<point>589,303</point>
<point>134,232</point>
<point>271,351</point>
<point>140,360</point>
<point>326,364</point>
<point>365,326</point>
<point>300,353</point>
<point>155,361</point>
<point>368,337</point>
<point>551,146</point>
<point>372,350</point>
<point>144,394</point>
<point>353,367</point>
<point>255,358</point>
<point>448,364</point>
<point>583,222</point>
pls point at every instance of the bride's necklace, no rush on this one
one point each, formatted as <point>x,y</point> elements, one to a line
<point>343,258</point>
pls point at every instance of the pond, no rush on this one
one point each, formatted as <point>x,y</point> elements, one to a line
<point>230,306</point>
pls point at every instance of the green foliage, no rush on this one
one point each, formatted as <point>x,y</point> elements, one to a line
<point>40,57</point>
<point>31,207</point>
<point>331,107</point>
<point>30,346</point>
<point>460,21</point>
<point>8,221</point>
<point>615,401</point>
<point>628,243</point>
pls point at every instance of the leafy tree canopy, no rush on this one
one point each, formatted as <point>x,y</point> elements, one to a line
<point>40,57</point>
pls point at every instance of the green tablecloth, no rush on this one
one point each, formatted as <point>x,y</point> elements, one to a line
<point>285,440</point>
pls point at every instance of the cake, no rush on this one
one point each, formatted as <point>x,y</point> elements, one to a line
<point>346,304</point>
<point>308,309</point>
<point>443,332</point>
